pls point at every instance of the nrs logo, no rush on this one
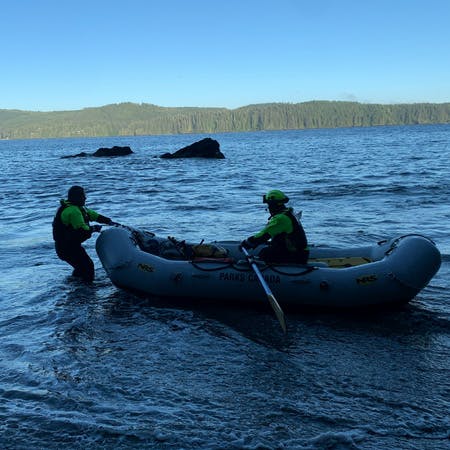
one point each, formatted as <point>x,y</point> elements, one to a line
<point>145,267</point>
<point>366,279</point>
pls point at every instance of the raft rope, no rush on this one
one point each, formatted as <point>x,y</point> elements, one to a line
<point>181,247</point>
<point>273,267</point>
<point>395,243</point>
<point>308,269</point>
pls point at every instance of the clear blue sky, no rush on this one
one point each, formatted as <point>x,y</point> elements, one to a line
<point>64,55</point>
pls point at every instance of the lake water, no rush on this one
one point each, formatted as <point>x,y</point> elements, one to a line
<point>94,367</point>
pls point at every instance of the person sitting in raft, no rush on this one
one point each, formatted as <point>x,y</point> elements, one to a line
<point>283,233</point>
<point>71,228</point>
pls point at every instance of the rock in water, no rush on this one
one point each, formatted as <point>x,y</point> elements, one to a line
<point>78,155</point>
<point>101,152</point>
<point>206,148</point>
<point>114,151</point>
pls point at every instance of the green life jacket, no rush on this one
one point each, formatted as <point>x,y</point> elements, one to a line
<point>294,242</point>
<point>67,235</point>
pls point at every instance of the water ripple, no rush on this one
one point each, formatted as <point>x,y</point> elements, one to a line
<point>95,367</point>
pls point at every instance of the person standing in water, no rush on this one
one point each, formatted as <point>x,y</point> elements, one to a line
<point>71,228</point>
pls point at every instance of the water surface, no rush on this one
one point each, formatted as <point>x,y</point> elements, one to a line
<point>94,367</point>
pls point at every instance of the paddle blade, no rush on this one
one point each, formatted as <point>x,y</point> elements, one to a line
<point>278,312</point>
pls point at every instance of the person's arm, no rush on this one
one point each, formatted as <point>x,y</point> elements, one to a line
<point>276,225</point>
<point>96,217</point>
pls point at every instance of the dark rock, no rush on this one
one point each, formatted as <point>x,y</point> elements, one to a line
<point>114,151</point>
<point>79,155</point>
<point>206,148</point>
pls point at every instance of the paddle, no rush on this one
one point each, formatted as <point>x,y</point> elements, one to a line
<point>273,302</point>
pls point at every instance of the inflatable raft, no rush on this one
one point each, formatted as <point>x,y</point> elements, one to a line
<point>391,271</point>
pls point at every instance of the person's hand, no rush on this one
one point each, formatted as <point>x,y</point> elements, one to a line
<point>104,219</point>
<point>96,228</point>
<point>247,244</point>
<point>244,244</point>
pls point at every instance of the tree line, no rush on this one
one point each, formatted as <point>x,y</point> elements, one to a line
<point>128,119</point>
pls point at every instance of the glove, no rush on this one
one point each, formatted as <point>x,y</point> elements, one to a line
<point>248,244</point>
<point>96,228</point>
<point>104,219</point>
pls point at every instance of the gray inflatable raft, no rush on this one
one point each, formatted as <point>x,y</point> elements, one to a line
<point>388,272</point>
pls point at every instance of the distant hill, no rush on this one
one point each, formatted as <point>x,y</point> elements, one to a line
<point>127,119</point>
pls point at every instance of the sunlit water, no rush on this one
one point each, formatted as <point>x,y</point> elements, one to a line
<point>95,367</point>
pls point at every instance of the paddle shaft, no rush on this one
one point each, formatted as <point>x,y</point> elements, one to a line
<point>272,300</point>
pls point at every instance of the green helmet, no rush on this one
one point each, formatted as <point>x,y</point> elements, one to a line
<point>275,196</point>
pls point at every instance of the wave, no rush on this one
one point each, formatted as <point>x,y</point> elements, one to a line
<point>370,189</point>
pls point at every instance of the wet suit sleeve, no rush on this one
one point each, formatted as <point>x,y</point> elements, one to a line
<point>277,224</point>
<point>96,217</point>
<point>93,215</point>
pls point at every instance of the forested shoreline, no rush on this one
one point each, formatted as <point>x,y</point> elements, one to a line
<point>131,119</point>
